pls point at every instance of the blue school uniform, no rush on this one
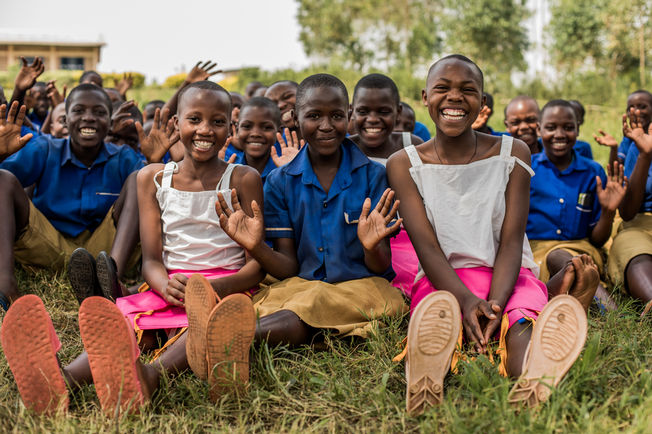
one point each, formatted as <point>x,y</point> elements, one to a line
<point>583,149</point>
<point>324,225</point>
<point>421,131</point>
<point>563,205</point>
<point>36,121</point>
<point>72,196</point>
<point>630,162</point>
<point>242,159</point>
<point>230,150</point>
<point>623,148</point>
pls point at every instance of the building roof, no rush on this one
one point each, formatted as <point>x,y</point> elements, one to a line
<point>36,38</point>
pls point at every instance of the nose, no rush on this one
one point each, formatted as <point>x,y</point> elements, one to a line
<point>454,94</point>
<point>326,124</point>
<point>203,128</point>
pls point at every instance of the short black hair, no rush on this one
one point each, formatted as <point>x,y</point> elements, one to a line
<point>519,99</point>
<point>316,81</point>
<point>290,82</point>
<point>489,100</point>
<point>378,81</point>
<point>40,85</point>
<point>644,92</point>
<point>89,87</point>
<point>457,57</point>
<point>407,106</point>
<point>205,85</point>
<point>264,103</point>
<point>558,103</point>
<point>87,74</point>
<point>156,103</point>
<point>578,107</point>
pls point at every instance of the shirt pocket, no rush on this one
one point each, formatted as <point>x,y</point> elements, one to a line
<point>352,216</point>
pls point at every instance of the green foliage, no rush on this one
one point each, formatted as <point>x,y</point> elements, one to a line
<point>113,78</point>
<point>174,81</point>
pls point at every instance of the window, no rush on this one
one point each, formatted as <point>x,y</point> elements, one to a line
<point>72,63</point>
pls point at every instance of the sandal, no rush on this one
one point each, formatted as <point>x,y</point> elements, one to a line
<point>200,300</point>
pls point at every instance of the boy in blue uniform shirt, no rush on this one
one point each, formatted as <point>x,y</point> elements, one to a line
<point>571,213</point>
<point>77,180</point>
<point>330,252</point>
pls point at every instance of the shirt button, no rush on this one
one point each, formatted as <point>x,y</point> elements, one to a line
<point>561,200</point>
<point>325,205</point>
<point>558,231</point>
<point>321,249</point>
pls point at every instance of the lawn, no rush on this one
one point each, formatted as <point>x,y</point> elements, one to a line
<point>353,386</point>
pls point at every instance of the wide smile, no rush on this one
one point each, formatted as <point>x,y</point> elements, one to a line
<point>87,132</point>
<point>202,145</point>
<point>559,146</point>
<point>454,115</point>
<point>373,131</point>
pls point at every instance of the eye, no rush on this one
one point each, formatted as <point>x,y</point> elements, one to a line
<point>337,116</point>
<point>361,112</point>
<point>312,116</point>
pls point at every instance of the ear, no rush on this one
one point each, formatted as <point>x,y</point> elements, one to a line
<point>399,110</point>
<point>295,118</point>
<point>424,97</point>
<point>176,123</point>
<point>64,121</point>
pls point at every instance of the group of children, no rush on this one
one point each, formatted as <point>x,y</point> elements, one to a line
<point>279,215</point>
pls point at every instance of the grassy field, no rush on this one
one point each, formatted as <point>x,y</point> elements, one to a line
<point>353,386</point>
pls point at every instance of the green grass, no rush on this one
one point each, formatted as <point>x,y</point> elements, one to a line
<point>354,386</point>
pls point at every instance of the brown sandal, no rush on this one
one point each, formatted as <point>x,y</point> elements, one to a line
<point>200,300</point>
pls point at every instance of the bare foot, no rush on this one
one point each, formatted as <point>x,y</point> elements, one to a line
<point>561,282</point>
<point>587,280</point>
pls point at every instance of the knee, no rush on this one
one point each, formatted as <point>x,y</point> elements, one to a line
<point>557,259</point>
<point>8,182</point>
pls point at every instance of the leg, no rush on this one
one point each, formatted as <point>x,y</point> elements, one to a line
<point>557,261</point>
<point>125,214</point>
<point>638,277</point>
<point>14,214</point>
<point>283,327</point>
<point>517,339</point>
<point>579,277</point>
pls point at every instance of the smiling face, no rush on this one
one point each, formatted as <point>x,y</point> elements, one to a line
<point>323,119</point>
<point>41,101</point>
<point>641,101</point>
<point>374,115</point>
<point>203,122</point>
<point>285,97</point>
<point>405,121</point>
<point>522,120</point>
<point>558,133</point>
<point>257,131</point>
<point>58,127</point>
<point>88,118</point>
<point>453,96</point>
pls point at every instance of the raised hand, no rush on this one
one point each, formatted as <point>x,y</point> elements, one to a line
<point>121,118</point>
<point>125,84</point>
<point>202,72</point>
<point>290,147</point>
<point>10,140</point>
<point>53,94</point>
<point>222,152</point>
<point>28,74</point>
<point>247,231</point>
<point>482,118</point>
<point>613,193</point>
<point>635,131</point>
<point>372,227</point>
<point>157,143</point>
<point>606,139</point>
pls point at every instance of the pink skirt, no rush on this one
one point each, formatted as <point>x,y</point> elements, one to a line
<point>404,262</point>
<point>149,311</point>
<point>528,299</point>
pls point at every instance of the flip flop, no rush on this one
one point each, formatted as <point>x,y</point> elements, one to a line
<point>112,355</point>
<point>30,346</point>
<point>81,272</point>
<point>432,335</point>
<point>557,340</point>
<point>200,300</point>
<point>229,335</point>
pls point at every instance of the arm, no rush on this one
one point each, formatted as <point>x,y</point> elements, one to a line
<point>431,257</point>
<point>609,198</point>
<point>373,232</point>
<point>510,250</point>
<point>26,78</point>
<point>635,194</point>
<point>248,189</point>
<point>198,73</point>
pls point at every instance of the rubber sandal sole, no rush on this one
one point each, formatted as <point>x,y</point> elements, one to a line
<point>112,355</point>
<point>229,335</point>
<point>28,348</point>
<point>107,276</point>
<point>432,335</point>
<point>557,340</point>
<point>199,301</point>
<point>81,273</point>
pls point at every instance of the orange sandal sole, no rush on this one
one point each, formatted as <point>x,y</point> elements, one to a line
<point>200,300</point>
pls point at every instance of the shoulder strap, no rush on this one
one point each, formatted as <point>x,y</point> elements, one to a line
<point>169,169</point>
<point>407,138</point>
<point>506,146</point>
<point>413,155</point>
<point>225,180</point>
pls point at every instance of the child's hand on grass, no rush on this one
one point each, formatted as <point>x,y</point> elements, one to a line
<point>372,226</point>
<point>613,193</point>
<point>158,142</point>
<point>10,125</point>
<point>634,130</point>
<point>247,231</point>
<point>290,147</point>
<point>175,291</point>
<point>28,74</point>
<point>201,72</point>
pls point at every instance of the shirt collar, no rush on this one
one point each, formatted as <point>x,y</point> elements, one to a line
<point>107,150</point>
<point>577,163</point>
<point>242,159</point>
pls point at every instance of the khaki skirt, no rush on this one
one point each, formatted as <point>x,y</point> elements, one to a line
<point>542,248</point>
<point>634,238</point>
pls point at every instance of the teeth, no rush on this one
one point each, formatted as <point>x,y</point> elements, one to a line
<point>453,114</point>
<point>255,144</point>
<point>88,131</point>
<point>559,145</point>
<point>286,116</point>
<point>202,145</point>
<point>372,130</point>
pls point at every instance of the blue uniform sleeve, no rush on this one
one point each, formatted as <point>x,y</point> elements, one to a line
<point>130,161</point>
<point>630,160</point>
<point>584,149</point>
<point>277,216</point>
<point>377,182</point>
<point>623,148</point>
<point>421,131</point>
<point>28,164</point>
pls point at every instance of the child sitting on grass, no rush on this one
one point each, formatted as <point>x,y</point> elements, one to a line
<point>84,194</point>
<point>464,196</point>
<point>183,246</point>
<point>331,250</point>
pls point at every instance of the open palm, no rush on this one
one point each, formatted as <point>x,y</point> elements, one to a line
<point>372,226</point>
<point>241,228</point>
<point>290,147</point>
<point>613,193</point>
<point>10,126</point>
<point>158,142</point>
<point>635,131</point>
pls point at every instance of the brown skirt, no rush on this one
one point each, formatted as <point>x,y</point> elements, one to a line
<point>634,238</point>
<point>350,308</point>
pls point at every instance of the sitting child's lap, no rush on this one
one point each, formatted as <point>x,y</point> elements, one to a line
<point>528,299</point>
<point>634,238</point>
<point>542,248</point>
<point>40,244</point>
